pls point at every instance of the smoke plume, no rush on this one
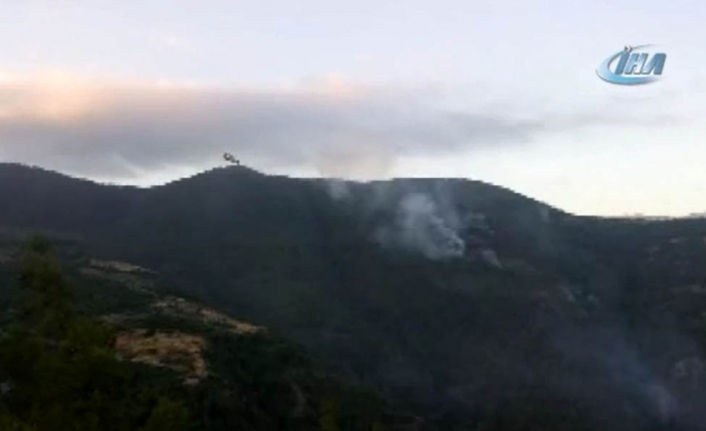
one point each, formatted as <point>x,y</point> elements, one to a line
<point>421,226</point>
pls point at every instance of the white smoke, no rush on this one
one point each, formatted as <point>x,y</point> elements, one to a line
<point>422,222</point>
<point>609,353</point>
<point>337,189</point>
<point>661,400</point>
<point>491,257</point>
<point>421,226</point>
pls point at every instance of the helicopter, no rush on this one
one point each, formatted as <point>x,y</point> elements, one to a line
<point>228,157</point>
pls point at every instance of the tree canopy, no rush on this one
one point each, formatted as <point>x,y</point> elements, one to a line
<point>58,368</point>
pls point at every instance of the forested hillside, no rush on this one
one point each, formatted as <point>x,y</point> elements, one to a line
<point>95,347</point>
<point>462,302</point>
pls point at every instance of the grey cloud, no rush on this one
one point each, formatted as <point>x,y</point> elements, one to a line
<point>121,131</point>
<point>612,118</point>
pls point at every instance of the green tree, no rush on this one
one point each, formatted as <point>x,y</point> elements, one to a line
<point>10,423</point>
<point>329,410</point>
<point>167,415</point>
<point>60,369</point>
<point>47,303</point>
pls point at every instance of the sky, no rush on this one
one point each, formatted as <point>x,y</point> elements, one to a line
<point>501,91</point>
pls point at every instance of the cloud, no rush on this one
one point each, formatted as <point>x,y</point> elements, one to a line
<point>169,41</point>
<point>110,128</point>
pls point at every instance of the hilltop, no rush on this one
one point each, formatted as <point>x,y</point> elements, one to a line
<point>457,299</point>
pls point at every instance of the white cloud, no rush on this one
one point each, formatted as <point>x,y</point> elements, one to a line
<point>124,129</point>
<point>169,41</point>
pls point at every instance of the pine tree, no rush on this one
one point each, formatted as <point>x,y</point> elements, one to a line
<point>60,370</point>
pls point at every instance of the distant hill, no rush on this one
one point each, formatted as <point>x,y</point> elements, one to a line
<point>224,373</point>
<point>453,297</point>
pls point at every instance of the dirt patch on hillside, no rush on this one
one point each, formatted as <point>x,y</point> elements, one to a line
<point>180,307</point>
<point>174,350</point>
<point>117,266</point>
<point>130,280</point>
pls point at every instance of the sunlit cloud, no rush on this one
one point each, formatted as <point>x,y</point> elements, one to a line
<point>169,41</point>
<point>124,129</point>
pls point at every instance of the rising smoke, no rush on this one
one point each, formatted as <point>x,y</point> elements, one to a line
<point>354,156</point>
<point>421,226</point>
<point>337,189</point>
<point>425,222</point>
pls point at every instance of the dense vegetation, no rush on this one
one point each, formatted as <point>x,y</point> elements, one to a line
<point>585,324</point>
<point>58,370</point>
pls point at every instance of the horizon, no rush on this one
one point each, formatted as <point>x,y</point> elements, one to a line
<point>324,178</point>
<point>145,94</point>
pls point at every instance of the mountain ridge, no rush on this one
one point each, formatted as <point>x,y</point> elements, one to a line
<point>446,295</point>
<point>8,169</point>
